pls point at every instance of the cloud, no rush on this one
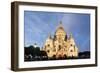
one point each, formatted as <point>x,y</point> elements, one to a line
<point>39,24</point>
<point>35,29</point>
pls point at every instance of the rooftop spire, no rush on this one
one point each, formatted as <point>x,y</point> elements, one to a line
<point>60,22</point>
<point>49,36</point>
<point>71,35</point>
<point>60,25</point>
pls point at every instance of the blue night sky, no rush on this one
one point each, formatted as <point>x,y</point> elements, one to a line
<point>37,26</point>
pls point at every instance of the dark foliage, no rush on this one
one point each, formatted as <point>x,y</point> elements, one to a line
<point>85,54</point>
<point>32,53</point>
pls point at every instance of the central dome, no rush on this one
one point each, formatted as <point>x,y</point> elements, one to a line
<point>60,32</point>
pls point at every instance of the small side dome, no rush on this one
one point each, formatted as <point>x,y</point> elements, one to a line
<point>35,45</point>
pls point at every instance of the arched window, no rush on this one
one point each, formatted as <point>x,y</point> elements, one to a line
<point>71,50</point>
<point>48,45</point>
<point>48,51</point>
<point>59,47</point>
<point>71,45</point>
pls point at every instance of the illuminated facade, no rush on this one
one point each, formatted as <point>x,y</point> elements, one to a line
<point>60,45</point>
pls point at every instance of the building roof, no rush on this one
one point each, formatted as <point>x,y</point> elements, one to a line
<point>60,27</point>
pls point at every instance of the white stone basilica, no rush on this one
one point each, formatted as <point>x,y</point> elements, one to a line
<point>61,45</point>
